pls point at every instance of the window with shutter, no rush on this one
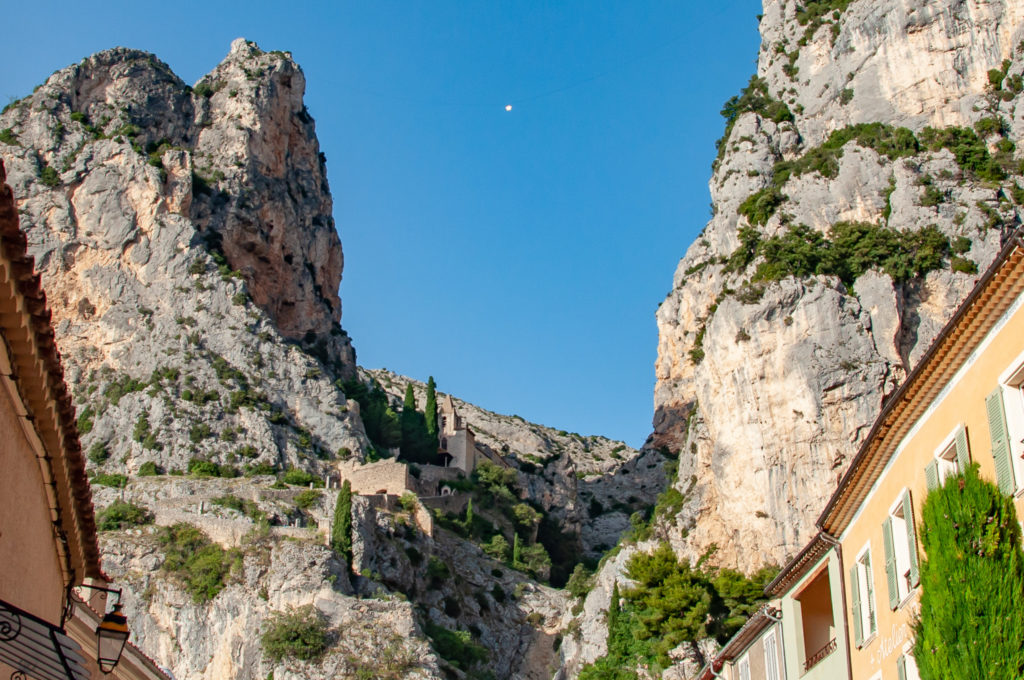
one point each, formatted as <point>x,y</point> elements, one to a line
<point>771,656</point>
<point>898,535</point>
<point>858,618</point>
<point>744,668</point>
<point>908,514</point>
<point>931,475</point>
<point>862,596</point>
<point>963,451</point>
<point>1000,441</point>
<point>890,564</point>
<point>951,458</point>
<point>906,666</point>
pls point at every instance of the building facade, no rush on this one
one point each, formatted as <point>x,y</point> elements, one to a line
<point>456,441</point>
<point>963,404</point>
<point>755,652</point>
<point>814,637</point>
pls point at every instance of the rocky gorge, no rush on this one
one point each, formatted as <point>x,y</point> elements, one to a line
<point>185,239</point>
<point>867,173</point>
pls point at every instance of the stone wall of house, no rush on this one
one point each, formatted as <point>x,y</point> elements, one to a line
<point>387,476</point>
<point>428,483</point>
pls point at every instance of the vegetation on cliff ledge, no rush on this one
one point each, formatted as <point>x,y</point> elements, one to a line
<point>298,633</point>
<point>850,250</point>
<point>200,564</point>
<point>754,98</point>
<point>969,150</point>
<point>672,603</point>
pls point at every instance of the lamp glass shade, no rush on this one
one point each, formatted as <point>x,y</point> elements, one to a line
<point>111,636</point>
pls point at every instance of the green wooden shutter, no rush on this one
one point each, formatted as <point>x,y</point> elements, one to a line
<point>963,452</point>
<point>908,516</point>
<point>931,475</point>
<point>890,563</point>
<point>901,667</point>
<point>1000,441</point>
<point>858,626</point>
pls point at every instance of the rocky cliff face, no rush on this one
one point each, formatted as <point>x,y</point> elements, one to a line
<point>775,354</point>
<point>159,258</point>
<point>587,486</point>
<point>186,243</point>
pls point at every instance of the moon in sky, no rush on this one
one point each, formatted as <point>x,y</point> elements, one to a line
<point>508,107</point>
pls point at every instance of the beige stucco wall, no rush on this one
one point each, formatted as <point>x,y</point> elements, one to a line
<point>30,572</point>
<point>962,403</point>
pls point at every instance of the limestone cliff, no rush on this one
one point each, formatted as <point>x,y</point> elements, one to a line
<point>839,245</point>
<point>186,244</point>
<point>162,217</point>
<point>185,239</point>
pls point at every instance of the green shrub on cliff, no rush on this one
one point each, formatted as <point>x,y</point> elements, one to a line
<point>851,249</point>
<point>202,566</point>
<point>298,633</point>
<point>121,515</point>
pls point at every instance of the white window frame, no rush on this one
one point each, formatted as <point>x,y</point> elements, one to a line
<point>743,667</point>
<point>910,663</point>
<point>946,458</point>
<point>771,661</point>
<point>1012,383</point>
<point>901,547</point>
<point>866,582</point>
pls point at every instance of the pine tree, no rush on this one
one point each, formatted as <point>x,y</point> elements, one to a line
<point>430,411</point>
<point>972,583</point>
<point>341,530</point>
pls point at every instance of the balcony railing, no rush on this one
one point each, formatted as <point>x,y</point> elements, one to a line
<point>814,659</point>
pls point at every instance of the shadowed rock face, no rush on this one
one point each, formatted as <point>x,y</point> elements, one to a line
<point>262,139</point>
<point>768,389</point>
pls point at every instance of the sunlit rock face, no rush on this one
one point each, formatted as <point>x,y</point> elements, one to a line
<point>767,388</point>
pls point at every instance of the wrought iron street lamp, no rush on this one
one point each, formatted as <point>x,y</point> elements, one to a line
<point>111,636</point>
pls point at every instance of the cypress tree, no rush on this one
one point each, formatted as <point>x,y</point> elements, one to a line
<point>430,411</point>
<point>410,448</point>
<point>417,445</point>
<point>613,618</point>
<point>341,530</point>
<point>515,549</point>
<point>469,515</point>
<point>972,583</point>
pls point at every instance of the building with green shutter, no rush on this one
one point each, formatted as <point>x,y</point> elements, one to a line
<point>849,599</point>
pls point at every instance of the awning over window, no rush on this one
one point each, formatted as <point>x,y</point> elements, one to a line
<point>38,649</point>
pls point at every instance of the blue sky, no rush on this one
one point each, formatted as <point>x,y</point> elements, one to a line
<point>517,256</point>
